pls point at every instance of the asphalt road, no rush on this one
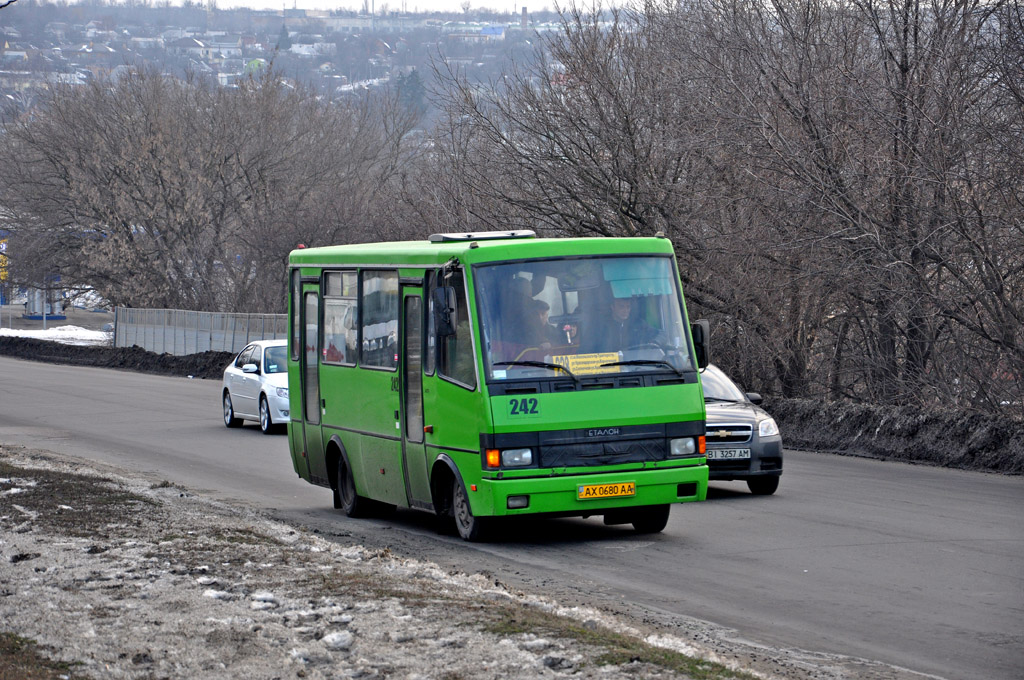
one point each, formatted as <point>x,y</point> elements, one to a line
<point>914,566</point>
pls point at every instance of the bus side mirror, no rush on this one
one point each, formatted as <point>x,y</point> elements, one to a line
<point>701,331</point>
<point>446,313</point>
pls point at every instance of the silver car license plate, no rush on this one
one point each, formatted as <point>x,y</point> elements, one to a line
<point>727,454</point>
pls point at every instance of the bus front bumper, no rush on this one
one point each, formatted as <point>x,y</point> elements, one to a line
<point>562,494</point>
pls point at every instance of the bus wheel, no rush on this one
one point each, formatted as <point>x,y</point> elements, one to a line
<point>352,503</point>
<point>470,528</point>
<point>651,519</point>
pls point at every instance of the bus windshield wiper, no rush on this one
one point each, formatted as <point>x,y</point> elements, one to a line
<point>539,364</point>
<point>646,362</point>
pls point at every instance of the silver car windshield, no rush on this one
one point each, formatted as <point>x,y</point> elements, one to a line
<point>718,386</point>
<point>581,316</point>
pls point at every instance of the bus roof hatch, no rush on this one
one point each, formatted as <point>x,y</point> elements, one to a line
<point>481,235</point>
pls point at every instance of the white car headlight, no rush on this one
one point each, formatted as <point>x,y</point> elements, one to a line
<point>767,427</point>
<point>282,392</point>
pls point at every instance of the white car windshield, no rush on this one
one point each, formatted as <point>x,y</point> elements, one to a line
<point>275,360</point>
<point>581,316</point>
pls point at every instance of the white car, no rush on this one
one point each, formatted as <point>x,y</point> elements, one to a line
<point>256,386</point>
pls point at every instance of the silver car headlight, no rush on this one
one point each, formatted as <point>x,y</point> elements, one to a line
<point>767,427</point>
<point>282,392</point>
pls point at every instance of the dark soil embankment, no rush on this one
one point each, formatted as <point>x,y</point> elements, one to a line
<point>203,365</point>
<point>967,441</point>
<point>910,434</point>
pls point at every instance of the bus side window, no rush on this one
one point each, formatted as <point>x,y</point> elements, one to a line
<point>340,310</point>
<point>456,355</point>
<point>431,358</point>
<point>379,310</point>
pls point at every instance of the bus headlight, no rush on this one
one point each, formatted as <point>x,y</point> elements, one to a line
<point>516,457</point>
<point>767,427</point>
<point>683,447</point>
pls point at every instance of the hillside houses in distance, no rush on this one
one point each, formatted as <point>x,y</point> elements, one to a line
<point>335,52</point>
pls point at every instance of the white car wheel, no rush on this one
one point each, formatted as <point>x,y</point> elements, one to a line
<point>266,422</point>
<point>229,412</point>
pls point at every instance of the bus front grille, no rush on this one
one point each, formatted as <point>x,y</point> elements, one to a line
<point>602,453</point>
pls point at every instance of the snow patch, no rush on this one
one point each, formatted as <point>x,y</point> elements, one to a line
<point>68,335</point>
<point>217,594</point>
<point>338,641</point>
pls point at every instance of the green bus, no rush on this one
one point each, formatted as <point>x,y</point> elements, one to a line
<point>496,374</point>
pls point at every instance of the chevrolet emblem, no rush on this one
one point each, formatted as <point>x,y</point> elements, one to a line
<point>722,434</point>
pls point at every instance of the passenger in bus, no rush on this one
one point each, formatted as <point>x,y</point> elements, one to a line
<point>518,314</point>
<point>623,330</point>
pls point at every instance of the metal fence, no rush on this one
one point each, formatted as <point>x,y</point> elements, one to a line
<point>180,332</point>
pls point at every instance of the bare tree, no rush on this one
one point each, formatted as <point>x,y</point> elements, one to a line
<point>579,141</point>
<point>838,178</point>
<point>862,112</point>
<point>614,133</point>
<point>166,193</point>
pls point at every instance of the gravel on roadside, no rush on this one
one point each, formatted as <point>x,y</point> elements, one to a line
<point>123,578</point>
<point>109,575</point>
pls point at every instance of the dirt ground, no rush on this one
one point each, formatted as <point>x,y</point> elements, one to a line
<point>117,578</point>
<point>953,439</point>
<point>104,575</point>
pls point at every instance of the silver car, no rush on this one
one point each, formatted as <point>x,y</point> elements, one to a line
<point>256,386</point>
<point>743,441</point>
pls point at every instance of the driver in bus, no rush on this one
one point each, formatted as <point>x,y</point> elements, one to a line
<point>624,330</point>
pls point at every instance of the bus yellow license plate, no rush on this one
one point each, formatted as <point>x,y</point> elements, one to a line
<point>586,492</point>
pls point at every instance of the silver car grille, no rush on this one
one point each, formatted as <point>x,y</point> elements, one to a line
<point>718,433</point>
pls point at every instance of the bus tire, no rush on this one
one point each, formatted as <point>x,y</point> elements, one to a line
<point>470,528</point>
<point>229,411</point>
<point>651,519</point>
<point>352,504</point>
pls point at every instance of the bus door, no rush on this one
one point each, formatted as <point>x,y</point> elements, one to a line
<point>311,403</point>
<point>414,456</point>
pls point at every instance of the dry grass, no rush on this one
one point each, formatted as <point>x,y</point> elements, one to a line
<point>613,648</point>
<point>21,660</point>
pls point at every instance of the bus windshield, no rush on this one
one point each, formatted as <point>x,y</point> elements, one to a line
<point>581,316</point>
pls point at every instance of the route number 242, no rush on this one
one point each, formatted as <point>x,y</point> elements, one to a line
<point>527,406</point>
